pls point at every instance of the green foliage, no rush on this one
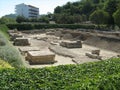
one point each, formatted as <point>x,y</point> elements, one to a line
<point>21,26</point>
<point>9,53</point>
<point>20,19</point>
<point>43,19</point>
<point>4,65</point>
<point>111,6</point>
<point>48,26</point>
<point>103,75</point>
<point>57,9</point>
<point>116,16</point>
<point>99,17</point>
<point>62,14</point>
<point>11,16</point>
<point>6,20</point>
<point>4,29</point>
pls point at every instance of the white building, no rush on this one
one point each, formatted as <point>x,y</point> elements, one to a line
<point>27,11</point>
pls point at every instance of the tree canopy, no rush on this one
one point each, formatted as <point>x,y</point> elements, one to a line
<point>87,8</point>
<point>99,17</point>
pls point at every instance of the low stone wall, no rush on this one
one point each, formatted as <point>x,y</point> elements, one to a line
<point>71,44</point>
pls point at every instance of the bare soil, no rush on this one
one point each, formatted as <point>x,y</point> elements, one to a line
<point>63,55</point>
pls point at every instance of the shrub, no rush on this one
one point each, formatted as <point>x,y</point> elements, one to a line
<point>9,53</point>
<point>4,65</point>
<point>47,26</point>
<point>116,16</point>
<point>103,75</point>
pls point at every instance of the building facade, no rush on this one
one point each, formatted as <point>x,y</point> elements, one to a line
<point>27,11</point>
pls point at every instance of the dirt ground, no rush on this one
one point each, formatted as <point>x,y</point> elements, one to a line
<point>43,42</point>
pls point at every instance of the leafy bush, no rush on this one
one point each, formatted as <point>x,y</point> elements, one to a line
<point>47,26</point>
<point>4,29</point>
<point>9,53</point>
<point>116,16</point>
<point>103,75</point>
<point>4,65</point>
<point>21,26</point>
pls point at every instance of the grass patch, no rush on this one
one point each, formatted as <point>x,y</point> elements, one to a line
<point>103,75</point>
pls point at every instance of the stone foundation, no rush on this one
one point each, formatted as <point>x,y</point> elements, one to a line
<point>24,50</point>
<point>71,44</point>
<point>21,42</point>
<point>40,57</point>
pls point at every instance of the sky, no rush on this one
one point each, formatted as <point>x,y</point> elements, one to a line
<point>45,6</point>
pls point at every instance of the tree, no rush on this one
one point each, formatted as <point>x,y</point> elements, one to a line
<point>44,19</point>
<point>87,7</point>
<point>6,20</point>
<point>20,19</point>
<point>58,9</point>
<point>99,17</point>
<point>111,7</point>
<point>116,16</point>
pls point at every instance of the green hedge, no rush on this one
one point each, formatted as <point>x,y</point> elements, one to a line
<point>103,75</point>
<point>48,26</point>
<point>21,26</point>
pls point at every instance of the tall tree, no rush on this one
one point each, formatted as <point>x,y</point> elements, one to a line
<point>116,16</point>
<point>20,19</point>
<point>99,17</point>
<point>58,9</point>
<point>6,20</point>
<point>111,7</point>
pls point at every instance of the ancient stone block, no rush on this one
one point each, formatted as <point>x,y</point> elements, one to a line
<point>24,50</point>
<point>67,36</point>
<point>58,33</point>
<point>15,35</point>
<point>71,44</point>
<point>21,42</point>
<point>40,57</point>
<point>93,56</point>
<point>97,52</point>
<point>50,33</point>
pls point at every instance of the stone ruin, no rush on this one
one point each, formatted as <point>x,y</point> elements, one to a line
<point>71,44</point>
<point>50,33</point>
<point>40,57</point>
<point>21,42</point>
<point>58,33</point>
<point>95,54</point>
<point>67,36</point>
<point>24,50</point>
<point>14,34</point>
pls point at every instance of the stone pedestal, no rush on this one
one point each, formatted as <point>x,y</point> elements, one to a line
<point>40,57</point>
<point>24,50</point>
